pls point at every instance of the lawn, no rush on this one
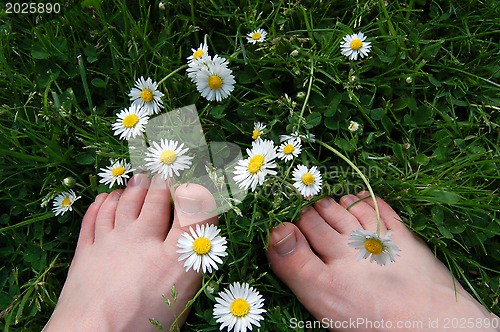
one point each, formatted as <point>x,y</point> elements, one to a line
<point>426,98</point>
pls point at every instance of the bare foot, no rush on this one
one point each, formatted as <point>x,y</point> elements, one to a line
<point>126,259</point>
<point>344,294</point>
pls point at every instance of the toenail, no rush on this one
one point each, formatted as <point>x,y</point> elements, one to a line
<point>189,205</point>
<point>116,195</point>
<point>286,245</point>
<point>348,200</point>
<point>98,199</point>
<point>324,202</point>
<point>304,210</point>
<point>140,180</point>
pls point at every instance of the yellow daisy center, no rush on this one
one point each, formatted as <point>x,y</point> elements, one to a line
<point>256,36</point>
<point>202,245</point>
<point>146,95</point>
<point>255,164</point>
<point>356,44</point>
<point>256,134</point>
<point>307,179</point>
<point>288,149</point>
<point>130,120</point>
<point>240,307</point>
<point>374,246</point>
<point>214,82</point>
<point>198,54</point>
<point>168,157</point>
<point>117,171</point>
<point>66,201</point>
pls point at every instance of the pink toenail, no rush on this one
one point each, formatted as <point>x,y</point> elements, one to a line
<point>304,210</point>
<point>189,205</point>
<point>98,199</point>
<point>348,200</point>
<point>140,180</point>
<point>286,245</point>
<point>325,202</point>
<point>116,195</point>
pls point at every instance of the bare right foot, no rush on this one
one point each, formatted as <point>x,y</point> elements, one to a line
<point>337,289</point>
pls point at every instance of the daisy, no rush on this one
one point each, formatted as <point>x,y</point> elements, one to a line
<point>167,158</point>
<point>194,67</point>
<point>297,136</point>
<point>198,53</point>
<point>260,162</point>
<point>257,36</point>
<point>289,150</point>
<point>354,126</point>
<point>215,81</point>
<point>381,250</point>
<point>258,127</point>
<point>117,172</point>
<point>239,307</point>
<point>63,202</point>
<point>307,181</point>
<point>130,122</point>
<point>355,45</point>
<point>202,248</point>
<point>145,94</point>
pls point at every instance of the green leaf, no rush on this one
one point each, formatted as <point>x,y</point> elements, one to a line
<point>331,123</point>
<point>39,53</point>
<point>85,158</point>
<point>377,114</point>
<point>313,119</point>
<point>445,197</point>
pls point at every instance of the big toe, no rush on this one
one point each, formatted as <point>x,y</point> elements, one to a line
<point>293,260</point>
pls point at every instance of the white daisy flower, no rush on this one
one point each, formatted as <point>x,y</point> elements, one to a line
<point>198,52</point>
<point>298,136</point>
<point>381,250</point>
<point>117,172</point>
<point>289,150</point>
<point>202,248</point>
<point>167,158</point>
<point>257,36</point>
<point>194,67</point>
<point>239,307</point>
<point>258,127</point>
<point>307,181</point>
<point>215,81</point>
<point>353,126</point>
<point>252,171</point>
<point>355,45</point>
<point>145,94</point>
<point>63,202</point>
<point>130,122</point>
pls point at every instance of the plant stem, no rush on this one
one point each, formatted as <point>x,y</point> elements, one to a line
<point>365,180</point>
<point>175,71</point>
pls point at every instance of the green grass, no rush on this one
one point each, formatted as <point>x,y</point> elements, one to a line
<point>432,80</point>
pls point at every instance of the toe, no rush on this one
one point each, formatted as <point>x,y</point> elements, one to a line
<point>87,230</point>
<point>390,217</point>
<point>363,212</point>
<point>336,215</point>
<point>193,204</point>
<point>132,199</point>
<point>105,220</point>
<point>154,219</point>
<point>318,233</point>
<point>292,259</point>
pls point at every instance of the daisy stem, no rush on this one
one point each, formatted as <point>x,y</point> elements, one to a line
<point>288,184</point>
<point>365,180</point>
<point>190,302</point>
<point>311,75</point>
<point>175,71</point>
